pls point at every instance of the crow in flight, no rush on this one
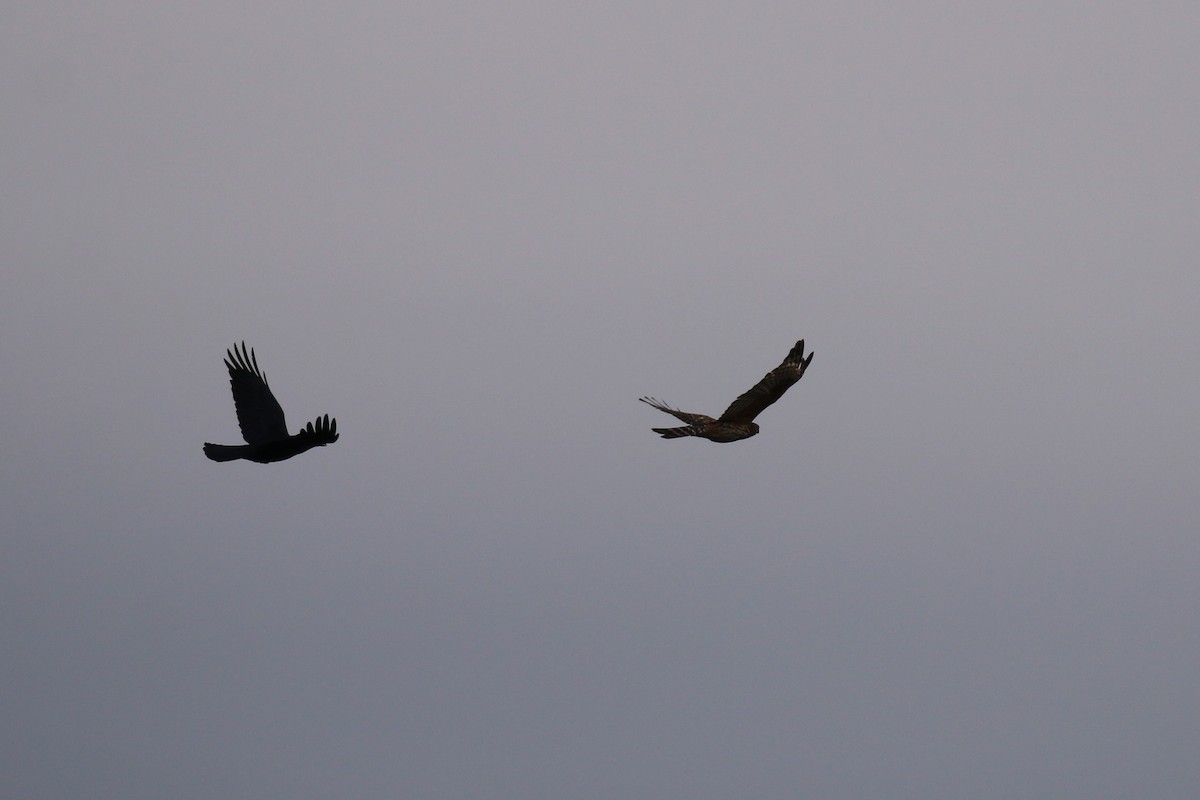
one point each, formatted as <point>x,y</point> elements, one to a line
<point>737,421</point>
<point>261,418</point>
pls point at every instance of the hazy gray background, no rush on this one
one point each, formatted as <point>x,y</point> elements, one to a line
<point>962,560</point>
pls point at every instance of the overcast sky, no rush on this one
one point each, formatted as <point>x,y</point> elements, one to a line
<point>962,559</point>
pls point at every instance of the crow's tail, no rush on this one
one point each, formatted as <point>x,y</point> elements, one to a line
<point>224,452</point>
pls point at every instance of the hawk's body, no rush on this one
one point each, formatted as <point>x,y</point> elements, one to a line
<point>738,420</point>
<point>261,418</point>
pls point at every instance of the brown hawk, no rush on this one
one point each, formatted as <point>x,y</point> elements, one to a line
<point>737,421</point>
<point>261,418</point>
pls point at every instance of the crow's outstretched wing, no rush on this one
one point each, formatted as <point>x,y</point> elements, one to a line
<point>259,414</point>
<point>770,388</point>
<point>325,430</point>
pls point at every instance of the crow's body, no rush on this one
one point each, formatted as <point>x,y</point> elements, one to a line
<point>261,418</point>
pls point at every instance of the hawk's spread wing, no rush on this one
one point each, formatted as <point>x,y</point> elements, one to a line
<point>688,417</point>
<point>770,388</point>
<point>259,414</point>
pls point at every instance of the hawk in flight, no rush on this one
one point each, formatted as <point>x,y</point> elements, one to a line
<point>261,418</point>
<point>738,420</point>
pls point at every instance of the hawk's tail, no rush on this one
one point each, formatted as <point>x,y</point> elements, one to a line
<point>675,433</point>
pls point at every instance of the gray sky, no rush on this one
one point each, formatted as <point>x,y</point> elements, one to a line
<point>961,561</point>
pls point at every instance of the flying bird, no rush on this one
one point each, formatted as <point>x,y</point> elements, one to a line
<point>261,418</point>
<point>738,420</point>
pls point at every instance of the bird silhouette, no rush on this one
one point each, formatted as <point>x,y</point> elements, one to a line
<point>738,420</point>
<point>261,418</point>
